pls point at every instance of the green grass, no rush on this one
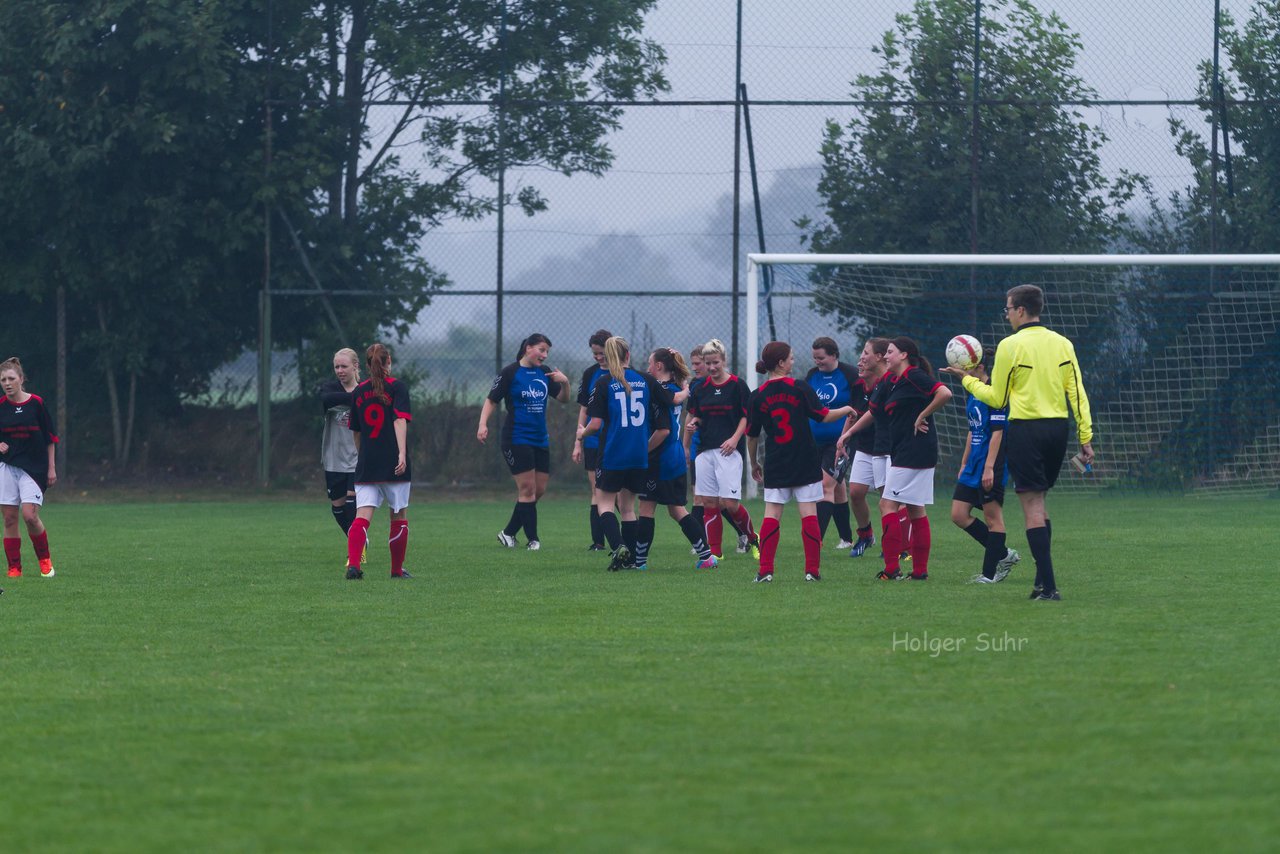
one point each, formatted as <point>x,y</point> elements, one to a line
<point>200,676</point>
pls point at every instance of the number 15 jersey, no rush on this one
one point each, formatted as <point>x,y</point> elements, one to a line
<point>373,416</point>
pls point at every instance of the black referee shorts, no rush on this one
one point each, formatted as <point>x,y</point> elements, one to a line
<point>1035,452</point>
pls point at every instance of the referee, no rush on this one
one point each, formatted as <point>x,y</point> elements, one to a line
<point>1036,376</point>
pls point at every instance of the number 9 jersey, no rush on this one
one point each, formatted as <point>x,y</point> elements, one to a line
<point>373,416</point>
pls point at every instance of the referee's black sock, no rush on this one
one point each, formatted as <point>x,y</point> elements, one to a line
<point>978,530</point>
<point>996,551</point>
<point>840,515</point>
<point>825,509</point>
<point>1038,540</point>
<point>597,536</point>
<point>644,539</point>
<point>609,527</point>
<point>515,523</point>
<point>529,518</point>
<point>692,528</point>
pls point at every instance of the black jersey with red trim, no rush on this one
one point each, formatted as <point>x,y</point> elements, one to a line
<point>882,437</point>
<point>28,431</point>
<point>373,416</point>
<point>782,408</point>
<point>908,396</point>
<point>863,440</point>
<point>719,409</point>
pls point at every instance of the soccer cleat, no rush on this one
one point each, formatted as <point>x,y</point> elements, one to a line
<point>506,539</point>
<point>354,573</point>
<point>15,572</point>
<point>621,558</point>
<point>1035,592</point>
<point>914,577</point>
<point>889,576</point>
<point>861,546</point>
<point>904,556</point>
<point>981,579</point>
<point>595,547</point>
<point>755,549</point>
<point>404,573</point>
<point>844,544</point>
<point>718,557</point>
<point>693,551</point>
<point>812,576</point>
<point>46,568</point>
<point>1006,563</point>
<point>1049,596</point>
<point>763,578</point>
<point>744,543</point>
<point>709,563</point>
<point>638,566</point>
<point>364,554</point>
<point>533,545</point>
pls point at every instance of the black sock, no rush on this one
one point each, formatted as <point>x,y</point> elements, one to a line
<point>529,517</point>
<point>825,509</point>
<point>1048,526</point>
<point>340,516</point>
<point>978,530</point>
<point>515,522</point>
<point>609,527</point>
<point>644,538</point>
<point>349,513</point>
<point>597,536</point>
<point>996,550</point>
<point>840,515</point>
<point>728,520</point>
<point>699,514</point>
<point>693,533</point>
<point>1038,540</point>
<point>629,535</point>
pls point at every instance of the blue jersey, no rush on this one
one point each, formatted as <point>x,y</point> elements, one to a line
<point>630,412</point>
<point>589,378</point>
<point>983,422</point>
<point>671,462</point>
<point>834,389</point>
<point>526,391</point>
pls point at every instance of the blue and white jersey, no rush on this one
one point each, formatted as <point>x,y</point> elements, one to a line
<point>983,422</point>
<point>671,463</point>
<point>589,378</point>
<point>629,413</point>
<point>526,391</point>
<point>834,389</point>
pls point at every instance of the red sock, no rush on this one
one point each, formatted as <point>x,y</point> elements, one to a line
<point>904,521</point>
<point>891,541</point>
<point>399,543</point>
<point>714,527</point>
<point>768,544</point>
<point>41,544</point>
<point>812,535</point>
<point>921,540</point>
<point>13,551</point>
<point>357,536</point>
<point>743,518</point>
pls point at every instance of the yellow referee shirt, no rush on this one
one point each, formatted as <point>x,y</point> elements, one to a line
<point>1036,375</point>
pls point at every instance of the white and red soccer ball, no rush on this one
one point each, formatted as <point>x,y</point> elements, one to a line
<point>963,352</point>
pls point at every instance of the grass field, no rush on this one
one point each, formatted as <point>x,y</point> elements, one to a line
<point>199,676</point>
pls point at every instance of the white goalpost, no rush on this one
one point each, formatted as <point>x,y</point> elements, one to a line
<point>1170,347</point>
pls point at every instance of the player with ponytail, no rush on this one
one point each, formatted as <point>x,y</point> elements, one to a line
<point>27,466</point>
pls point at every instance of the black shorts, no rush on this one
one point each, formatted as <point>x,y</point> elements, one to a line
<point>339,483</point>
<point>976,496</point>
<point>523,458</point>
<point>632,480</point>
<point>591,458</point>
<point>669,493</point>
<point>1035,452</point>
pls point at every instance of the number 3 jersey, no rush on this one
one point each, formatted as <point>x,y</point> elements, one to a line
<point>630,412</point>
<point>373,416</point>
<point>782,408</point>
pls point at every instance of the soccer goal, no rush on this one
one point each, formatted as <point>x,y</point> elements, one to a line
<point>1180,353</point>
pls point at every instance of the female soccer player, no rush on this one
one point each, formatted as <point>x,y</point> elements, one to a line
<point>526,384</point>
<point>914,396</point>
<point>718,406</point>
<point>668,474</point>
<point>337,445</point>
<point>836,384</point>
<point>870,440</point>
<point>27,467</point>
<point>783,408</point>
<point>380,422</point>
<point>982,477</point>
<point>632,413</point>
<point>586,452</point>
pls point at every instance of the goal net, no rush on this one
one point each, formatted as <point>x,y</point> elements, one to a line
<point>1180,353</point>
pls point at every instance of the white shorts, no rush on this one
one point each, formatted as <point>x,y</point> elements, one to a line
<point>810,492</point>
<point>718,476</point>
<point>868,470</point>
<point>373,494</point>
<point>17,487</point>
<point>909,486</point>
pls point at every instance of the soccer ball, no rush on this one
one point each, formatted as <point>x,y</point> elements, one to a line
<point>963,352</point>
